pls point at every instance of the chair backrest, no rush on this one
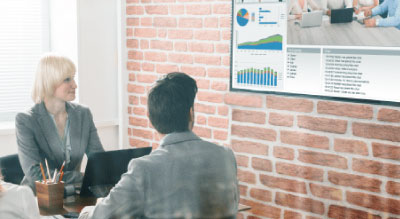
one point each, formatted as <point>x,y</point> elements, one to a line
<point>11,169</point>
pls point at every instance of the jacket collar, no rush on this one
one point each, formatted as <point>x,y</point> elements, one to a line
<point>177,137</point>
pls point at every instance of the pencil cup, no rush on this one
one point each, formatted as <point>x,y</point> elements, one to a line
<point>50,196</point>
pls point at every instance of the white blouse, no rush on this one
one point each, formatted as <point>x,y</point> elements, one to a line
<point>295,8</point>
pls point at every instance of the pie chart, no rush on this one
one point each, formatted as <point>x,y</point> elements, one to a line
<point>242,17</point>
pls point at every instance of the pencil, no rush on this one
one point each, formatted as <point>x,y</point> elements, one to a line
<point>62,166</point>
<point>61,176</point>
<point>43,175</point>
<point>54,176</point>
<point>48,170</point>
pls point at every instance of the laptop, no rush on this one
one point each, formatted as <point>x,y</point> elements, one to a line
<point>343,15</point>
<point>104,170</point>
<point>311,19</point>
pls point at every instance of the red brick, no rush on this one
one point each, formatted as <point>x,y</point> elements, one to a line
<point>305,139</point>
<point>202,83</point>
<point>284,184</point>
<point>166,68</point>
<point>210,97</point>
<point>142,133</point>
<point>155,56</point>
<point>292,215</point>
<point>157,9</point>
<point>246,176</point>
<point>226,60</point>
<point>226,35</point>
<point>180,58</point>
<point>220,135</point>
<point>262,209</point>
<point>136,121</point>
<point>248,116</point>
<point>144,44</point>
<point>129,32</point>
<point>297,202</point>
<point>355,181</point>
<point>253,132</point>
<point>322,124</point>
<point>310,173</point>
<point>147,67</point>
<point>389,115</point>
<point>393,188</point>
<point>243,190</point>
<point>138,143</point>
<point>145,32</point>
<point>376,167</point>
<point>211,22</point>
<point>180,46</point>
<point>218,122</point>
<point>249,147</point>
<point>218,73</point>
<point>223,8</point>
<point>201,47</point>
<point>323,159</point>
<point>186,22</point>
<point>134,88</point>
<point>203,108</point>
<point>131,43</point>
<point>194,71</point>
<point>180,34</point>
<point>144,78</point>
<point>223,110</point>
<point>351,146</point>
<point>143,101</point>
<point>135,55</point>
<point>386,151</point>
<point>146,21</point>
<point>280,119</point>
<point>201,120</point>
<point>176,9</point>
<point>132,1</point>
<point>207,59</point>
<point>326,192</point>
<point>374,202</point>
<point>243,100</point>
<point>161,44</point>
<point>345,109</point>
<point>139,111</point>
<point>261,194</point>
<point>134,100</point>
<point>202,132</point>
<point>132,77</point>
<point>196,9</point>
<point>369,130</point>
<point>291,104</point>
<point>340,212</point>
<point>312,217</point>
<point>222,48</point>
<point>132,22</point>
<point>242,161</point>
<point>225,22</point>
<point>134,10</point>
<point>284,153</point>
<point>261,164</point>
<point>209,35</point>
<point>133,66</point>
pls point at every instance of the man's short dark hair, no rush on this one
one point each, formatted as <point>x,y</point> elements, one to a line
<point>169,102</point>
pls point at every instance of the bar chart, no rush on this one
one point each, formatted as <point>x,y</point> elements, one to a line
<point>256,76</point>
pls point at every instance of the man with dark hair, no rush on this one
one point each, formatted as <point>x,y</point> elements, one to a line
<point>185,177</point>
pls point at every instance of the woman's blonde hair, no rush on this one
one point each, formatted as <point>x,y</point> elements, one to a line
<point>51,71</point>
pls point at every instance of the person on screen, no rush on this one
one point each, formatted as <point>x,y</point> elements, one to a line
<point>17,202</point>
<point>186,177</point>
<point>297,7</point>
<point>363,5</point>
<point>327,5</point>
<point>392,7</point>
<point>55,129</point>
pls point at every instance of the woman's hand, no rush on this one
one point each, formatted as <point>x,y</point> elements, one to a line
<point>370,22</point>
<point>299,16</point>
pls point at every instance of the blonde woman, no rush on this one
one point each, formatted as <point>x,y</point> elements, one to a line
<point>17,202</point>
<point>297,7</point>
<point>55,128</point>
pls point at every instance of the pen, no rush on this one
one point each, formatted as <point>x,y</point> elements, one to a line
<point>43,175</point>
<point>48,170</point>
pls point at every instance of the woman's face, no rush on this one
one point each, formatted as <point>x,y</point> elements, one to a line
<point>66,90</point>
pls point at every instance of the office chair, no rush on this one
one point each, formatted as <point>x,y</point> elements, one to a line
<point>11,169</point>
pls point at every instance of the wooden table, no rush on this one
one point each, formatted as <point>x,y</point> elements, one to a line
<point>71,204</point>
<point>342,34</point>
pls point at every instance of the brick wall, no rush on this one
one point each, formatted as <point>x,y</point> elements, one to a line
<point>297,157</point>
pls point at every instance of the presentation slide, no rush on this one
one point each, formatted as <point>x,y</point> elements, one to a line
<point>278,47</point>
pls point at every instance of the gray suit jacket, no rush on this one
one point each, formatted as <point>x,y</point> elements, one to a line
<point>37,139</point>
<point>185,177</point>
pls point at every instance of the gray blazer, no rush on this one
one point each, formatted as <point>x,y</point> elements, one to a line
<point>185,177</point>
<point>37,139</point>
